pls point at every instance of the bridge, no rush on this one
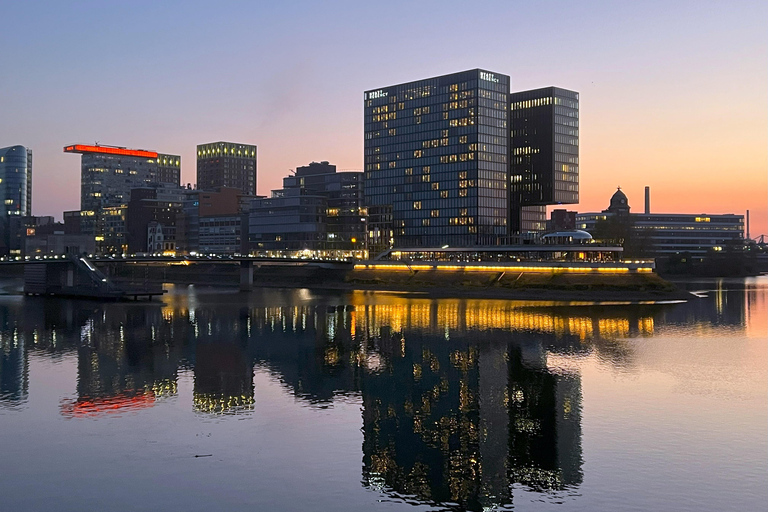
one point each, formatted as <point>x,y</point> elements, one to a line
<point>78,276</point>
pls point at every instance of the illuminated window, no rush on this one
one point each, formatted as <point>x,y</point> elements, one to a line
<point>417,205</point>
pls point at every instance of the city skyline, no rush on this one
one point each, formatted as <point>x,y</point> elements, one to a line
<point>672,97</point>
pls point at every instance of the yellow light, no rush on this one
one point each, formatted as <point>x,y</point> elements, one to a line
<point>498,268</point>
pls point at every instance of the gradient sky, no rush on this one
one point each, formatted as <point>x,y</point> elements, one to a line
<point>674,95</point>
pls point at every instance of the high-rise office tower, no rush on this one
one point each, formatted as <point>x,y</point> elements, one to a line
<point>436,150</point>
<point>108,174</point>
<point>544,159</point>
<point>226,164</point>
<point>15,194</point>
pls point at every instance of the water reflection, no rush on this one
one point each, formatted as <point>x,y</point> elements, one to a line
<point>462,400</point>
<point>223,369</point>
<point>460,421</point>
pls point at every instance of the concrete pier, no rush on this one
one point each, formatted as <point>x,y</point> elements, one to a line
<point>246,276</point>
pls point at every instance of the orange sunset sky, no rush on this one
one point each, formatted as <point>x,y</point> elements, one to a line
<point>673,95</point>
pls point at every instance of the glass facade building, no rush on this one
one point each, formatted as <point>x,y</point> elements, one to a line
<point>16,196</point>
<point>226,164</point>
<point>16,181</point>
<point>436,151</point>
<point>544,159</point>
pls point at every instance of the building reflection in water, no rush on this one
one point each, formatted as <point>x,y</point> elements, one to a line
<point>223,368</point>
<point>461,398</point>
<point>459,420</point>
<point>126,361</point>
<point>14,368</point>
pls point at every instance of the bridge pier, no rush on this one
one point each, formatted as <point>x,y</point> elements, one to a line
<point>70,276</point>
<point>246,276</point>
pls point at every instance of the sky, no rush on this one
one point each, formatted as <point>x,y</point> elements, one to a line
<point>673,95</point>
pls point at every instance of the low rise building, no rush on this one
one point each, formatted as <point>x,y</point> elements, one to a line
<point>664,234</point>
<point>46,237</point>
<point>220,234</point>
<point>210,208</point>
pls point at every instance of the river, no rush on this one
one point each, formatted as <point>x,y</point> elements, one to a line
<point>278,399</point>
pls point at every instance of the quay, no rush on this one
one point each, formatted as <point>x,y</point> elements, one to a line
<point>77,277</point>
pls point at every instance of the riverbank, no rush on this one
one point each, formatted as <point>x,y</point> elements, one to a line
<point>555,285</point>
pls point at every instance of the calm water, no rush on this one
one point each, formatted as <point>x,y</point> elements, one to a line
<point>294,400</point>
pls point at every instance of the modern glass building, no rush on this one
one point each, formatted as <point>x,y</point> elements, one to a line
<point>437,151</point>
<point>16,181</point>
<point>16,196</point>
<point>544,159</point>
<point>226,164</point>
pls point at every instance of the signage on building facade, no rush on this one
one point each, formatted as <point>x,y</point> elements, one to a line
<point>376,94</point>
<point>489,77</point>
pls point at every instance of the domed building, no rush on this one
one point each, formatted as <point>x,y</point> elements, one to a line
<point>667,234</point>
<point>619,204</point>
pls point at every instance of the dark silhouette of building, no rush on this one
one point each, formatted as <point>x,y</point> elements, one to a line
<point>562,220</point>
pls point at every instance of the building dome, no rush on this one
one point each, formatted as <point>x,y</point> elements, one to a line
<point>619,199</point>
<point>619,202</point>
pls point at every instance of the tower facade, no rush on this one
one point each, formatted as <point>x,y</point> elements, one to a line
<point>544,159</point>
<point>436,150</point>
<point>16,181</point>
<point>169,169</point>
<point>227,164</point>
<point>16,196</point>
